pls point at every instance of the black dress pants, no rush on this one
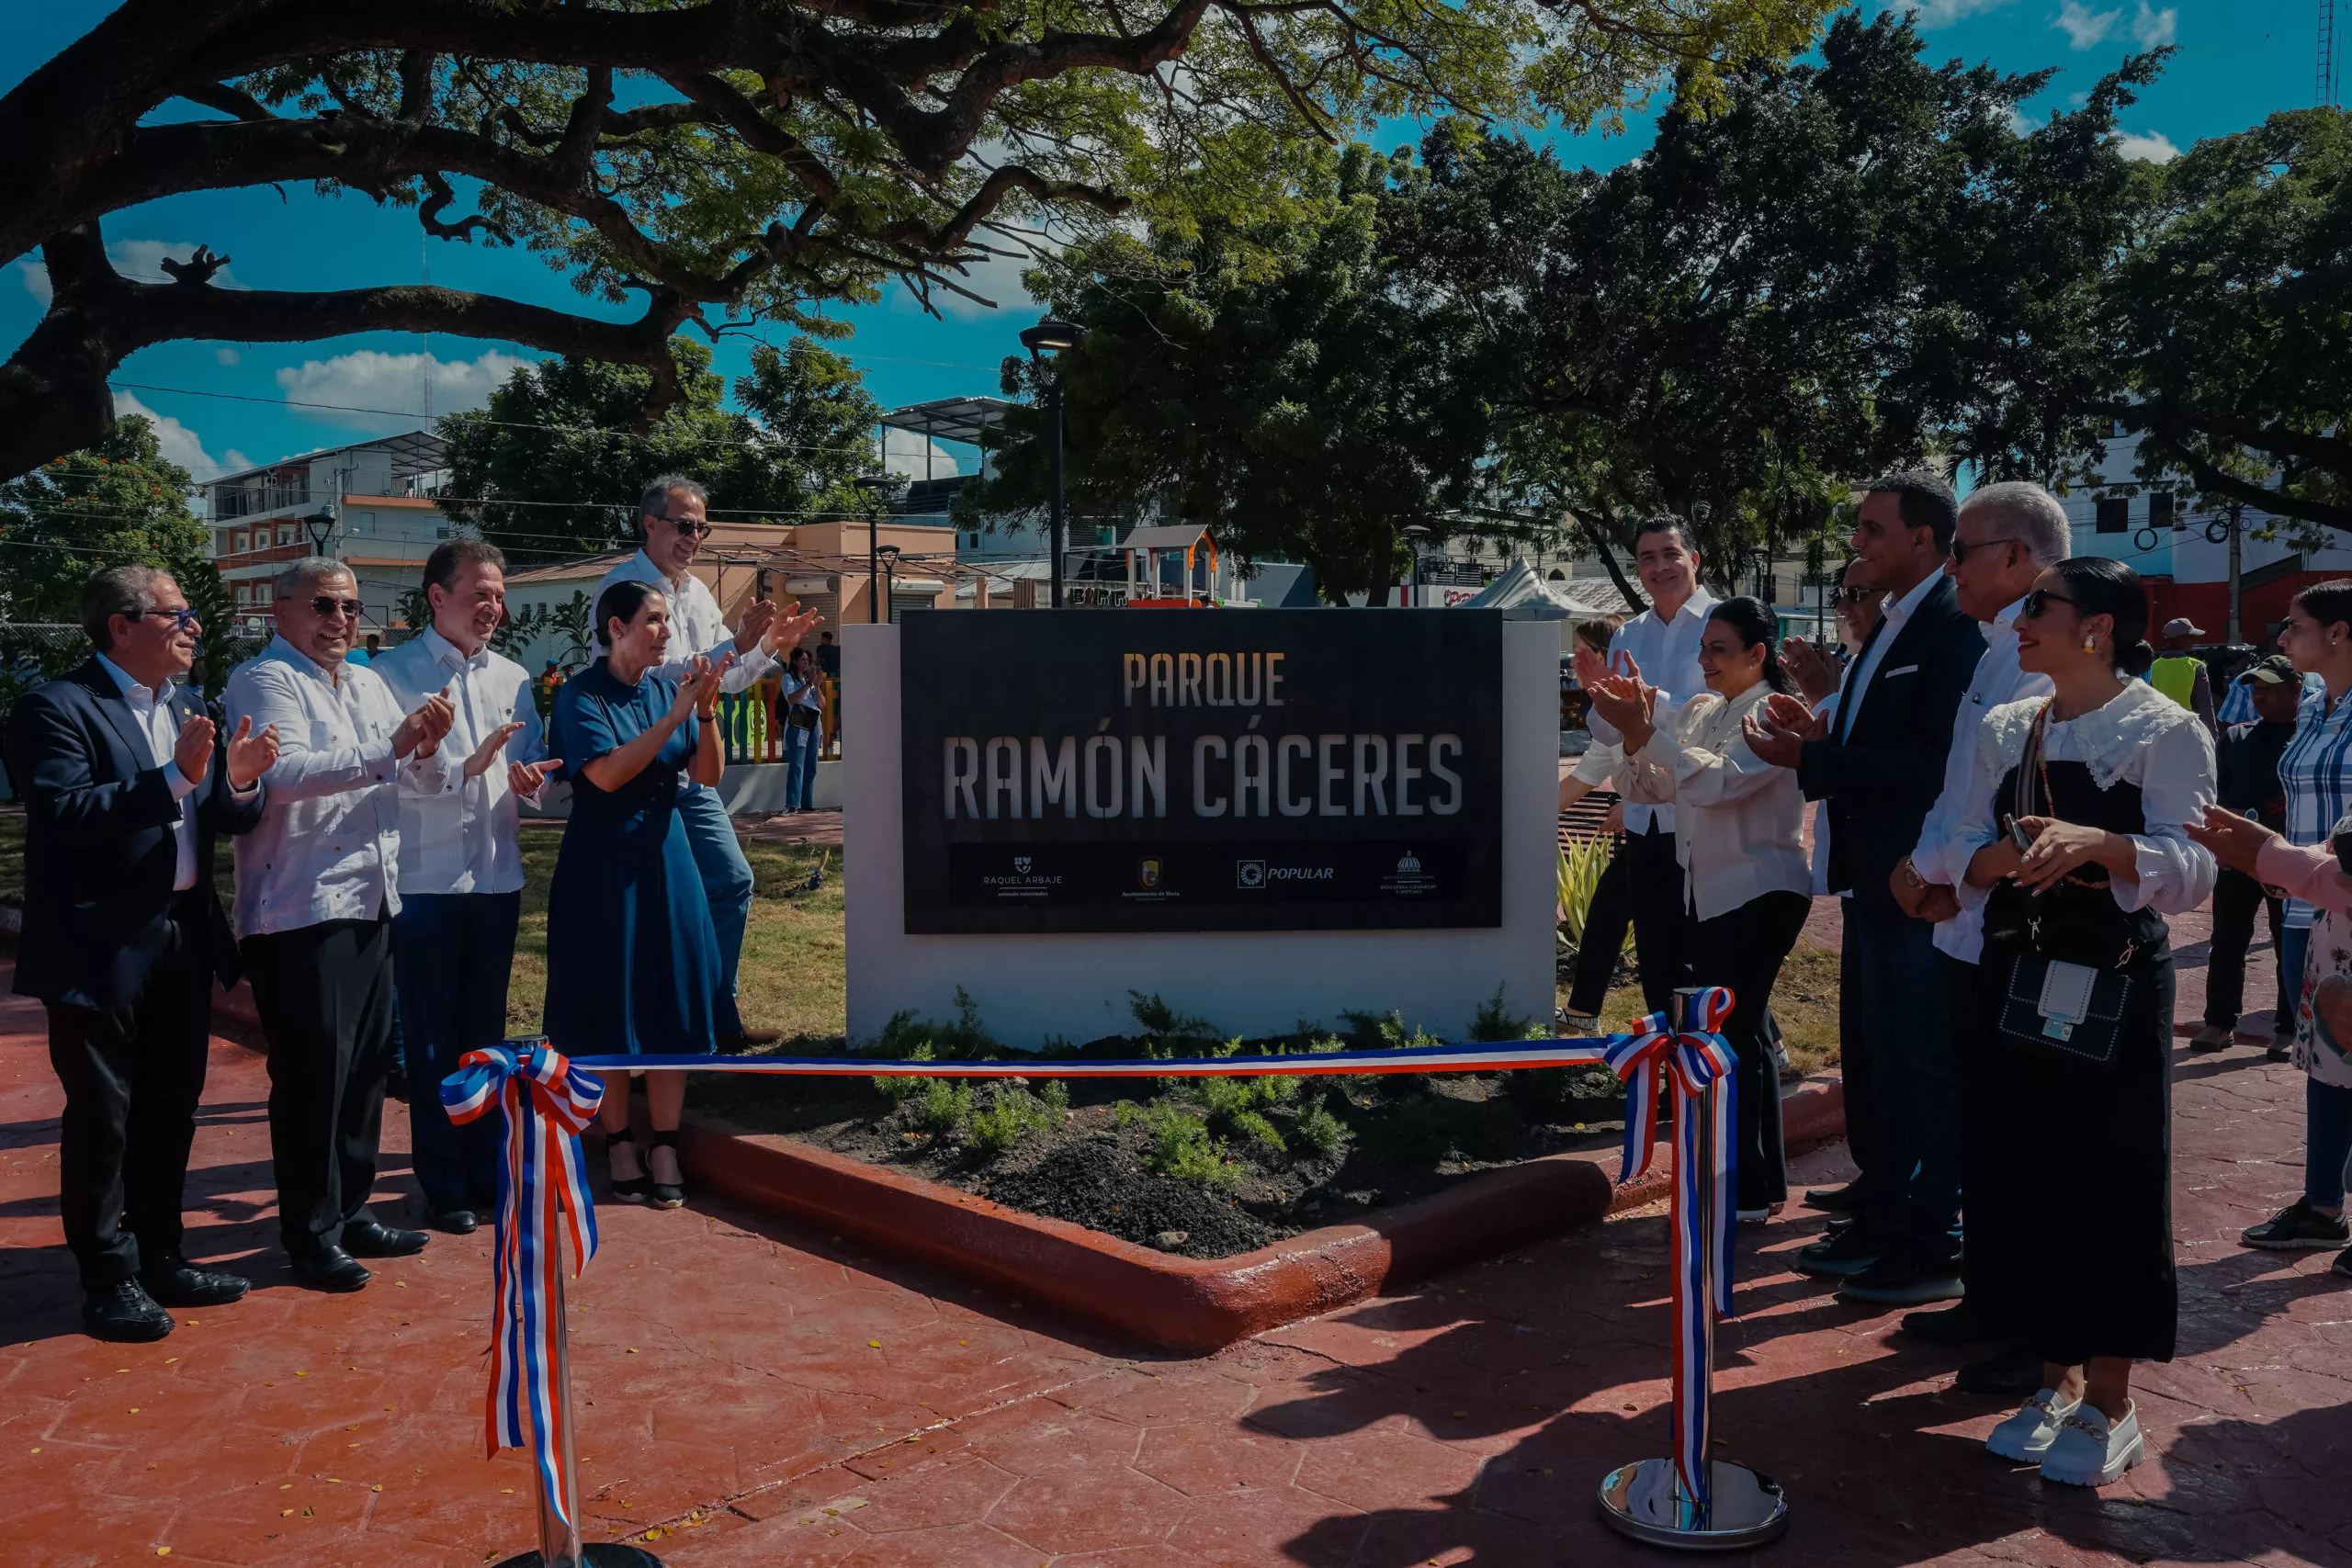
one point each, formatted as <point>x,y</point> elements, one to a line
<point>1988,1109</point>
<point>1605,925</point>
<point>2236,897</point>
<point>325,994</point>
<point>1854,1065</point>
<point>1661,918</point>
<point>1743,949</point>
<point>132,1079</point>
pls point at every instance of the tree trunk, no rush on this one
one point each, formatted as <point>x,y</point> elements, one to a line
<point>1383,576</point>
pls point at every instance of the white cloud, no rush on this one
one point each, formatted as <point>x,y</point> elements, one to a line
<point>392,383</point>
<point>991,277</point>
<point>2084,27</point>
<point>141,260</point>
<point>2022,123</point>
<point>902,453</point>
<point>225,355</point>
<point>2154,147</point>
<point>2154,29</point>
<point>181,445</point>
<point>1943,13</point>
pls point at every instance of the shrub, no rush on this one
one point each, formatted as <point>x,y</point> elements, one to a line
<point>943,1106</point>
<point>907,1038</point>
<point>898,1089</point>
<point>1181,1034</point>
<point>1055,1097</point>
<point>1320,1131</point>
<point>1252,1125</point>
<point>1181,1147</point>
<point>1010,1115</point>
<point>1491,1023</point>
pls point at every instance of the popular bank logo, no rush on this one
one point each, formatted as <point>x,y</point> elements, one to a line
<point>1258,874</point>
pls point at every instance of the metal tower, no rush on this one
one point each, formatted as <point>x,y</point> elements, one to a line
<point>2326,98</point>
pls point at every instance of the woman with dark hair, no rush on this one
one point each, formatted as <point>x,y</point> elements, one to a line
<point>2074,822</point>
<point>2316,771</point>
<point>632,957</point>
<point>1737,827</point>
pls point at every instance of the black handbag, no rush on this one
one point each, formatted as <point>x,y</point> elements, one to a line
<point>2068,1009</point>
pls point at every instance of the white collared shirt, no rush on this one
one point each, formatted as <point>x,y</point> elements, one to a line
<point>1742,820</point>
<point>1897,612</point>
<point>463,836</point>
<point>696,625</point>
<point>1668,653</point>
<point>1997,681</point>
<point>327,846</point>
<point>153,709</point>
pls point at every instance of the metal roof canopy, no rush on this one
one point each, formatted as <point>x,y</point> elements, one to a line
<point>1164,538</point>
<point>967,420</point>
<point>414,452</point>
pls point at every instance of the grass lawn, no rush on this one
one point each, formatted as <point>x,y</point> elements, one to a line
<point>794,974</point>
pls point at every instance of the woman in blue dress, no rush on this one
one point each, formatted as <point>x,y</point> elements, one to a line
<point>632,957</point>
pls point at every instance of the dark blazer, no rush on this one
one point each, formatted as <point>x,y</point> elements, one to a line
<point>1881,781</point>
<point>100,846</point>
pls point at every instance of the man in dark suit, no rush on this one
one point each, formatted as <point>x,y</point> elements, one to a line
<point>1876,761</point>
<point>125,781</point>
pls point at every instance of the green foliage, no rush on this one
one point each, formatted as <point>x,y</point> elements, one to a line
<point>1319,1131</point>
<point>905,1038</point>
<point>2231,314</point>
<point>1010,1115</point>
<point>1581,865</point>
<point>1494,1022</point>
<point>898,1089</point>
<point>119,503</point>
<point>1164,1025</point>
<point>1254,1129</point>
<point>1181,1147</point>
<point>1055,1097</point>
<point>943,1106</point>
<point>573,487</point>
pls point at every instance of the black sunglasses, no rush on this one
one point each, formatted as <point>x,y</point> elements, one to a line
<point>685,526</point>
<point>181,619</point>
<point>2036,603</point>
<point>323,605</point>
<point>1960,548</point>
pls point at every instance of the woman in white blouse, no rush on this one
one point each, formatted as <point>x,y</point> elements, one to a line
<point>1737,833</point>
<point>2076,811</point>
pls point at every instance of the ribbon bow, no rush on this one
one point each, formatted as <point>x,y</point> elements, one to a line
<point>542,1195</point>
<point>1696,1056</point>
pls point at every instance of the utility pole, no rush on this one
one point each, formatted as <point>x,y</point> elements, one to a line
<point>2237,575</point>
<point>2325,95</point>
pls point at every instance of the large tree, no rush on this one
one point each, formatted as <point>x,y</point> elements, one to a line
<point>741,159</point>
<point>551,467</point>
<point>119,504</point>
<point>2230,320</point>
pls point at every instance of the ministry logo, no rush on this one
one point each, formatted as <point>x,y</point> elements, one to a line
<point>1147,873</point>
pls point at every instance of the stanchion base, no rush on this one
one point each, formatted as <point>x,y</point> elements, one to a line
<point>1645,1501</point>
<point>602,1554</point>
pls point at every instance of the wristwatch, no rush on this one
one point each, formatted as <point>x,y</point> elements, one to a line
<point>1910,873</point>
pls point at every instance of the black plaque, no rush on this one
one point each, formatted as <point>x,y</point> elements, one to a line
<point>1208,770</point>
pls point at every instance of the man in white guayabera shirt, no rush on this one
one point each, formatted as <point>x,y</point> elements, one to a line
<point>673,516</point>
<point>461,863</point>
<point>317,890</point>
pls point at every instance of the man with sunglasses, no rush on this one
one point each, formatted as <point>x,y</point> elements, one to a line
<point>673,516</point>
<point>126,780</point>
<point>316,889</point>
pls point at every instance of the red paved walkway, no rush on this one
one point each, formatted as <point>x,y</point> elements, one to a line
<point>761,1396</point>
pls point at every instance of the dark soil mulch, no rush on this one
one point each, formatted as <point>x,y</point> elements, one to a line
<point>1409,1136</point>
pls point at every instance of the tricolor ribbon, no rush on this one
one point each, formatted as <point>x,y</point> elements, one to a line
<point>1697,1058</point>
<point>549,1100</point>
<point>542,1198</point>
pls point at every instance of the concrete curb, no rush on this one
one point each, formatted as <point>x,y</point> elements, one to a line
<point>1191,1303</point>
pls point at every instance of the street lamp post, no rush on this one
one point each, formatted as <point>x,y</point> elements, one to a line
<point>889,554</point>
<point>879,489</point>
<point>1055,336</point>
<point>319,524</point>
<point>1414,535</point>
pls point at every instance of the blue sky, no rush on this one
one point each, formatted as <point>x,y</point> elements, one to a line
<point>2238,61</point>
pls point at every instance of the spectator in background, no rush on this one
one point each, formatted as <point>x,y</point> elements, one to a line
<point>1660,647</point>
<point>460,864</point>
<point>125,781</point>
<point>803,704</point>
<point>1611,914</point>
<point>2315,771</point>
<point>363,657</point>
<point>2249,785</point>
<point>317,889</point>
<point>633,957</point>
<point>2181,675</point>
<point>1877,762</point>
<point>829,656</point>
<point>670,515</point>
<point>2099,780</point>
<point>543,688</point>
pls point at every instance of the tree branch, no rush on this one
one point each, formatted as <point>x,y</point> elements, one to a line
<point>231,101</point>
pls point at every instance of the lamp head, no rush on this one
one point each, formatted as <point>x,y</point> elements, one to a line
<point>319,524</point>
<point>889,554</point>
<point>1052,336</point>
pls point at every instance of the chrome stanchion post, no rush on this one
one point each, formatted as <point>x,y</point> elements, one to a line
<point>1646,1500</point>
<point>559,1541</point>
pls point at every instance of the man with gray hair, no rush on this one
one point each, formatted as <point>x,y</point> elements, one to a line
<point>2008,534</point>
<point>673,516</point>
<point>316,889</point>
<point>126,781</point>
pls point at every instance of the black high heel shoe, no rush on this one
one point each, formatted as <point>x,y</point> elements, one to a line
<point>633,1190</point>
<point>666,1194</point>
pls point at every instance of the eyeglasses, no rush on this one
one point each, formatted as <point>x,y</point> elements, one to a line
<point>2036,603</point>
<point>1960,548</point>
<point>1854,595</point>
<point>323,605</point>
<point>688,526</point>
<point>183,619</point>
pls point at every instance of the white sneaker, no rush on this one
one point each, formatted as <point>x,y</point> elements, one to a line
<point>1753,1216</point>
<point>2089,1452</point>
<point>2027,1434</point>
